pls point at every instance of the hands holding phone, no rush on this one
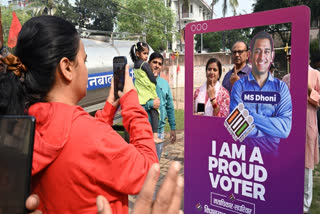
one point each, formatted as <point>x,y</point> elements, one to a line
<point>168,199</point>
<point>128,85</point>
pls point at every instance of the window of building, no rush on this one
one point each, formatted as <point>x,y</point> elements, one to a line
<point>185,11</point>
<point>169,3</point>
<point>191,8</point>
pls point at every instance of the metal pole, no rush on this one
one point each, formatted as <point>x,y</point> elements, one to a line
<point>177,82</point>
<point>179,14</point>
<point>288,66</point>
<point>201,43</point>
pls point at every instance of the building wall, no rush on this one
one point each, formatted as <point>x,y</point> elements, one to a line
<point>314,32</point>
<point>198,8</point>
<point>21,3</point>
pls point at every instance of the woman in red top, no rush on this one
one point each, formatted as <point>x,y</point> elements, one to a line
<point>76,156</point>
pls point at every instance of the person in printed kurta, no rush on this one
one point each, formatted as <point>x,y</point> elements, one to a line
<point>312,152</point>
<point>212,94</point>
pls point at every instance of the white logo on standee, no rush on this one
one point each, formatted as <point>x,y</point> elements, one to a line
<point>199,27</point>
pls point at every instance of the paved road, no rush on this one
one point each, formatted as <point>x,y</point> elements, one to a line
<point>171,152</point>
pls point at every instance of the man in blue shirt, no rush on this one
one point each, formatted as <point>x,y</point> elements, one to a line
<point>164,104</point>
<point>272,120</point>
<point>239,57</point>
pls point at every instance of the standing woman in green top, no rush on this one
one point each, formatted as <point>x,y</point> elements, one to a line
<point>145,83</point>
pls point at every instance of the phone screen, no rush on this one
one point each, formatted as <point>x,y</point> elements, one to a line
<point>16,147</point>
<point>200,107</point>
<point>119,64</point>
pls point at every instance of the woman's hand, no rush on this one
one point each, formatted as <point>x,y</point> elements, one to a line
<point>128,85</point>
<point>211,92</point>
<point>32,204</point>
<point>111,99</point>
<point>168,199</point>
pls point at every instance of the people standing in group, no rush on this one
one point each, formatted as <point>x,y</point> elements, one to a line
<point>145,83</point>
<point>76,156</point>
<point>272,122</point>
<point>212,95</point>
<point>240,69</point>
<point>312,148</point>
<point>312,130</point>
<point>164,104</point>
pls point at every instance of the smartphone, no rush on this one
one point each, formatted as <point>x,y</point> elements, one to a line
<point>119,65</point>
<point>16,148</point>
<point>200,108</point>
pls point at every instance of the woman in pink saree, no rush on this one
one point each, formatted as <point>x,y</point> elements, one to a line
<point>212,95</point>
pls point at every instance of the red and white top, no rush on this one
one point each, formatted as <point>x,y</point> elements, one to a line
<point>222,96</point>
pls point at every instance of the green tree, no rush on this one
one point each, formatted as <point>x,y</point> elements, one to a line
<point>67,11</point>
<point>314,5</point>
<point>212,42</point>
<point>6,19</point>
<point>42,7</point>
<point>96,14</point>
<point>185,3</point>
<point>234,4</point>
<point>226,3</point>
<point>149,17</point>
<point>263,5</point>
<point>314,48</point>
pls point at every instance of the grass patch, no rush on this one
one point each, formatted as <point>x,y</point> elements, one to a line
<point>179,114</point>
<point>315,205</point>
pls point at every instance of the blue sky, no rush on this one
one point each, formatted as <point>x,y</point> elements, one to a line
<point>245,6</point>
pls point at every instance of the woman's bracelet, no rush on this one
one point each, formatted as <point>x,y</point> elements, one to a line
<point>212,99</point>
<point>215,105</point>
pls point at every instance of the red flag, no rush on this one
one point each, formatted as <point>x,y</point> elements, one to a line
<point>178,68</point>
<point>14,31</point>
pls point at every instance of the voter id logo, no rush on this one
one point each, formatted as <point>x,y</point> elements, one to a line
<point>263,97</point>
<point>239,123</point>
<point>199,207</point>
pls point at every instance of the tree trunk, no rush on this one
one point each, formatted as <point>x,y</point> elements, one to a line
<point>1,31</point>
<point>179,13</point>
<point>212,4</point>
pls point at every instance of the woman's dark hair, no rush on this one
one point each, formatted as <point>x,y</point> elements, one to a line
<point>215,60</point>
<point>42,42</point>
<point>140,46</point>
